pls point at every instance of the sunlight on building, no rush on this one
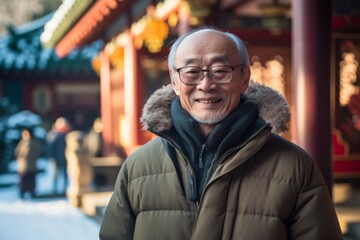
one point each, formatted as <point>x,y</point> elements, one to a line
<point>271,75</point>
<point>348,69</point>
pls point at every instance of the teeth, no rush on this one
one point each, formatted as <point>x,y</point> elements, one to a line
<point>208,101</point>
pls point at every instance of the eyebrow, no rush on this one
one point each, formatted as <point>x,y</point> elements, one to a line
<point>222,59</point>
<point>190,60</point>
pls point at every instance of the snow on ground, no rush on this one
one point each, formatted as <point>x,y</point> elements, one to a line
<point>41,218</point>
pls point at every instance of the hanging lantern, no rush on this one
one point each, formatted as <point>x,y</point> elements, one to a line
<point>137,30</point>
<point>156,31</point>
<point>173,20</point>
<point>96,64</point>
<point>117,57</point>
<point>139,41</point>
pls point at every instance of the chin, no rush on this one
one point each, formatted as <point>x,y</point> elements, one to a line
<point>209,120</point>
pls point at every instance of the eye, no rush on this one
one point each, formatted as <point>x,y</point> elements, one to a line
<point>221,70</point>
<point>191,70</point>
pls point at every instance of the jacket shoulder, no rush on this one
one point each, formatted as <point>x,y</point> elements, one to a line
<point>284,161</point>
<point>279,145</point>
<point>149,150</point>
<point>151,158</point>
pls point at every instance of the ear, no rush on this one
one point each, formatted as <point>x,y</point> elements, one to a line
<point>246,79</point>
<point>174,83</point>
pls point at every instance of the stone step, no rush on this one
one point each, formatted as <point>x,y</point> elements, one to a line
<point>91,203</point>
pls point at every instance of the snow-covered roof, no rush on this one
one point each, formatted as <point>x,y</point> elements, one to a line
<point>21,53</point>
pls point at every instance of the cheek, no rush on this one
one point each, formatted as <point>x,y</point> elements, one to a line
<point>182,90</point>
<point>185,95</point>
<point>234,92</point>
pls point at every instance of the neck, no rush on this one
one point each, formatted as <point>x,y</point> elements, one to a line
<point>206,129</point>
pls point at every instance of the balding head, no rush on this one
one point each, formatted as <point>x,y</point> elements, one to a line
<point>239,45</point>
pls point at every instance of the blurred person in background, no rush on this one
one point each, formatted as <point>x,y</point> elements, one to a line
<point>56,147</point>
<point>93,140</point>
<point>27,152</point>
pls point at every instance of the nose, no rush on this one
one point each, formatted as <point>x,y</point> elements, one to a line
<point>206,83</point>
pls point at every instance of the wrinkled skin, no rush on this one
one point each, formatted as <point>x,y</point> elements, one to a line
<point>209,102</point>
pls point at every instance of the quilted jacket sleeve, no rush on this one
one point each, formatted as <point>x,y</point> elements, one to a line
<point>119,220</point>
<point>314,215</point>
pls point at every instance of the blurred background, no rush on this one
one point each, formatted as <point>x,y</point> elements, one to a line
<point>95,63</point>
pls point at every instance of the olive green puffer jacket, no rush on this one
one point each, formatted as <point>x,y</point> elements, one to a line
<point>267,189</point>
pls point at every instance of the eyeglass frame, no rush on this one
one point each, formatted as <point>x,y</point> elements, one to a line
<point>208,70</point>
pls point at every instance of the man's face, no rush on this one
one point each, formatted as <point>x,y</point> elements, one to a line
<point>209,102</point>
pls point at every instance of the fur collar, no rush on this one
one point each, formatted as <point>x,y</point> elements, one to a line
<point>273,108</point>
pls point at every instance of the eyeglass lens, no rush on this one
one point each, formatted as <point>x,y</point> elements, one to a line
<point>196,74</point>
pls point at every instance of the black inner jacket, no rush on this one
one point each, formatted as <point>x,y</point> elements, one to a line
<point>231,132</point>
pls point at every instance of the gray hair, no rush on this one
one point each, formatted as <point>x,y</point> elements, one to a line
<point>240,46</point>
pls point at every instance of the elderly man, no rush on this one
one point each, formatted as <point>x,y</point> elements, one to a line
<point>218,170</point>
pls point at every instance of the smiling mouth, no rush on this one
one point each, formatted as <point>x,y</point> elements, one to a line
<point>209,101</point>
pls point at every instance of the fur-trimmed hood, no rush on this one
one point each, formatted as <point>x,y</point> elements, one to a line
<point>273,108</point>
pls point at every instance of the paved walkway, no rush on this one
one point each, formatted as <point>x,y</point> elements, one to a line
<point>47,217</point>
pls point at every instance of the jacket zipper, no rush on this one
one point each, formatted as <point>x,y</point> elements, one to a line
<point>192,188</point>
<point>194,196</point>
<point>192,185</point>
<point>201,161</point>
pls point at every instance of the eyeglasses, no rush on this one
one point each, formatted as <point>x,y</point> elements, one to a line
<point>193,75</point>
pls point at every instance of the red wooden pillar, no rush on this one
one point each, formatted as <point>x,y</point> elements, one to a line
<point>105,90</point>
<point>133,97</point>
<point>311,46</point>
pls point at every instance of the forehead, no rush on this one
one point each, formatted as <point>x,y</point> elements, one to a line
<point>206,47</point>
